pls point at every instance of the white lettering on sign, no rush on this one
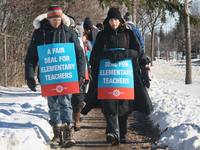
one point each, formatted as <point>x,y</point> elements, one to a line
<point>57,67</point>
<point>123,63</point>
<point>109,64</point>
<point>50,60</point>
<point>58,50</point>
<point>58,76</point>
<point>116,80</point>
<point>115,72</point>
<point>64,58</point>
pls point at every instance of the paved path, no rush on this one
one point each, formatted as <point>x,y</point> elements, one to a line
<point>141,134</point>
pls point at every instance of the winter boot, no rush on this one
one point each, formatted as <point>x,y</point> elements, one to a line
<point>57,139</point>
<point>67,136</point>
<point>76,117</point>
<point>110,138</point>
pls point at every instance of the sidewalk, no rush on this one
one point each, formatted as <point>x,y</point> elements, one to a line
<point>141,135</point>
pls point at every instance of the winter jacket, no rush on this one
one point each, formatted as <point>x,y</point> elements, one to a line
<point>45,34</point>
<point>137,33</point>
<point>120,38</point>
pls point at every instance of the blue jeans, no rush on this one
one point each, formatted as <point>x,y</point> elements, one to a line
<point>60,109</point>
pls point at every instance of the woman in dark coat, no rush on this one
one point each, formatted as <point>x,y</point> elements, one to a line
<point>116,112</point>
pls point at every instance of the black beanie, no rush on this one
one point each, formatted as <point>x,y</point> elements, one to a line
<point>87,23</point>
<point>128,17</point>
<point>114,13</point>
<point>99,25</point>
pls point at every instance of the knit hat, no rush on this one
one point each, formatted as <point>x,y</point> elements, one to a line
<point>72,20</point>
<point>99,25</point>
<point>128,16</point>
<point>87,23</point>
<point>54,12</point>
<point>114,13</point>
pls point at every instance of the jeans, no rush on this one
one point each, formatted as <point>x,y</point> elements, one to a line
<point>60,109</point>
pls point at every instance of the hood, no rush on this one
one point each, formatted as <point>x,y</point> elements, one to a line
<point>130,22</point>
<point>38,19</point>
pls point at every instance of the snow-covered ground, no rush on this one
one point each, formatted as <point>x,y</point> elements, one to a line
<point>176,105</point>
<point>24,114</point>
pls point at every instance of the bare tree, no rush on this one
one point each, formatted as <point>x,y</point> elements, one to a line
<point>81,9</point>
<point>16,25</point>
<point>188,77</point>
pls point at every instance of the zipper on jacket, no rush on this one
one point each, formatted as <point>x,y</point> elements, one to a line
<point>116,40</point>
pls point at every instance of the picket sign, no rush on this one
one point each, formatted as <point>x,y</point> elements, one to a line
<point>86,68</point>
<point>89,52</point>
<point>58,69</point>
<point>116,80</point>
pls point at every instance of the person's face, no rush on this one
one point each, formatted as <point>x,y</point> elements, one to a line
<point>73,26</point>
<point>114,23</point>
<point>88,31</point>
<point>100,29</point>
<point>55,22</point>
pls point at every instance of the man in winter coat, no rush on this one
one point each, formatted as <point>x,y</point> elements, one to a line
<point>128,19</point>
<point>51,28</point>
<point>145,75</point>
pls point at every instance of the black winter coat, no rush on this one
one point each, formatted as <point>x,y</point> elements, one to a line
<point>120,38</point>
<point>48,35</point>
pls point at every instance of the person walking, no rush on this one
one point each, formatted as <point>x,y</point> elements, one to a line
<point>128,19</point>
<point>78,98</point>
<point>51,28</point>
<point>144,70</point>
<point>116,112</point>
<point>90,30</point>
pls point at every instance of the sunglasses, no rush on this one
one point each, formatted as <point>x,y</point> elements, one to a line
<point>89,29</point>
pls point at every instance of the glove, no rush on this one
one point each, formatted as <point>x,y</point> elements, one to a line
<point>117,55</point>
<point>113,56</point>
<point>123,54</point>
<point>31,83</point>
<point>81,79</point>
<point>145,76</point>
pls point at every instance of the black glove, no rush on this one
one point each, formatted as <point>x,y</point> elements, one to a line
<point>81,79</point>
<point>113,56</point>
<point>31,83</point>
<point>145,76</point>
<point>123,54</point>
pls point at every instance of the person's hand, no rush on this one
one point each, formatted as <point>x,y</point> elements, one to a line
<point>81,79</point>
<point>145,75</point>
<point>31,83</point>
<point>113,56</point>
<point>147,66</point>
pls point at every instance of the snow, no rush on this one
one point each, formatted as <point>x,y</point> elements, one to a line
<point>176,105</point>
<point>24,114</point>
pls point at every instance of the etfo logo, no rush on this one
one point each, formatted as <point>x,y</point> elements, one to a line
<point>59,88</point>
<point>116,93</point>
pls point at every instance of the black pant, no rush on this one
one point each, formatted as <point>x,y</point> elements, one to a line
<point>116,114</point>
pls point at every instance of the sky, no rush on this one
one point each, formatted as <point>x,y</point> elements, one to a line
<point>24,114</point>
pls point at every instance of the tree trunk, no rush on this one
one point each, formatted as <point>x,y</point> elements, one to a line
<point>196,50</point>
<point>188,77</point>
<point>152,46</point>
<point>134,11</point>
